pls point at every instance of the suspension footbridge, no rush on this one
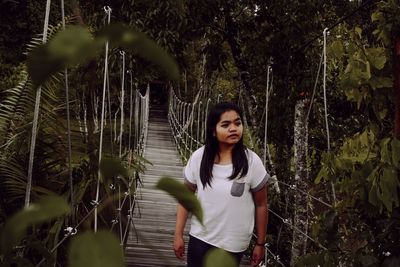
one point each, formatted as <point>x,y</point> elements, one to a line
<point>165,136</point>
<point>150,241</point>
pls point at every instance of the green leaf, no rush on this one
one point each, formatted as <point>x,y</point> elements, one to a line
<point>385,153</point>
<point>73,45</point>
<point>321,175</point>
<point>183,195</point>
<point>101,249</point>
<point>373,197</point>
<point>395,144</point>
<point>41,65</point>
<point>389,185</point>
<point>358,30</point>
<point>217,257</point>
<point>380,82</point>
<point>76,45</point>
<point>377,57</point>
<point>126,37</point>
<point>377,15</point>
<point>46,209</point>
<point>112,167</point>
<point>337,49</point>
<point>67,48</point>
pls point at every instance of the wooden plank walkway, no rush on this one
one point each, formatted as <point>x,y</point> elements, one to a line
<point>156,225</point>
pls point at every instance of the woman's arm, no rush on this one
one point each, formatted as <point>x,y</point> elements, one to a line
<point>181,218</point>
<point>179,244</point>
<point>260,201</point>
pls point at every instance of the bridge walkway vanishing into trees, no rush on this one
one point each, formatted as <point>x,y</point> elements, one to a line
<point>150,241</point>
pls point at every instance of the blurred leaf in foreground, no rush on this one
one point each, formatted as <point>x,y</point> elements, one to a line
<point>183,195</point>
<point>219,258</point>
<point>47,208</point>
<point>128,37</point>
<point>73,45</point>
<point>69,47</point>
<point>113,167</point>
<point>101,249</point>
<point>76,45</point>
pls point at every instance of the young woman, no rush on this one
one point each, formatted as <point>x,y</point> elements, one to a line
<point>230,183</point>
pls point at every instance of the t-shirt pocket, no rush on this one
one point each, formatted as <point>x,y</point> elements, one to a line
<point>237,188</point>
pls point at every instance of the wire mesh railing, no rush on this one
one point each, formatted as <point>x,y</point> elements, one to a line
<point>133,149</point>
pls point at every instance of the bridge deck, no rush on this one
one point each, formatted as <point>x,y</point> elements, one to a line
<point>156,224</point>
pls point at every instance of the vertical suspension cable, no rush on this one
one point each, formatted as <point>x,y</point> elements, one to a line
<point>325,33</point>
<point>178,108</point>
<point>121,127</point>
<point>324,87</point>
<point>198,125</point>
<point>121,131</point>
<point>137,103</point>
<point>106,21</point>
<point>266,117</point>
<point>130,109</point>
<point>191,127</point>
<point>187,107</point>
<point>205,120</point>
<point>147,117</point>
<point>36,115</point>
<point>110,113</point>
<point>315,85</point>
<point>108,11</point>
<point>71,182</point>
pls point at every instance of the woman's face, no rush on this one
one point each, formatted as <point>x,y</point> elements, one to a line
<point>229,129</point>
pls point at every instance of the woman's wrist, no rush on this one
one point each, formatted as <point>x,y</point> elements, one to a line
<point>178,235</point>
<point>261,244</point>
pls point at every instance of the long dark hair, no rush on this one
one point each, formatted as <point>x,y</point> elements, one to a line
<point>211,148</point>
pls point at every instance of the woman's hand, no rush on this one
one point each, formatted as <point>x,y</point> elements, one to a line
<point>179,247</point>
<point>258,255</point>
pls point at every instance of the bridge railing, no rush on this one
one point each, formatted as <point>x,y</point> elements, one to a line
<point>188,125</point>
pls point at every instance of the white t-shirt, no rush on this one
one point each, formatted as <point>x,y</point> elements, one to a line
<point>228,205</point>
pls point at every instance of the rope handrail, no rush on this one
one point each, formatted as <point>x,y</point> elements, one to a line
<point>294,187</point>
<point>141,130</point>
<point>287,222</point>
<point>178,117</point>
<point>267,250</point>
<point>70,231</point>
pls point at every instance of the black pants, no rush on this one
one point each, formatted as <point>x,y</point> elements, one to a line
<point>197,249</point>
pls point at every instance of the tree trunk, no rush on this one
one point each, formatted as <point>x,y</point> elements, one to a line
<point>300,219</point>
<point>232,36</point>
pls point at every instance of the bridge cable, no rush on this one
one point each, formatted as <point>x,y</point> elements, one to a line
<point>71,182</point>
<point>36,116</point>
<point>108,11</point>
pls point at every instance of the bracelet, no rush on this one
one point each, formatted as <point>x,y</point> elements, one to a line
<point>260,244</point>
